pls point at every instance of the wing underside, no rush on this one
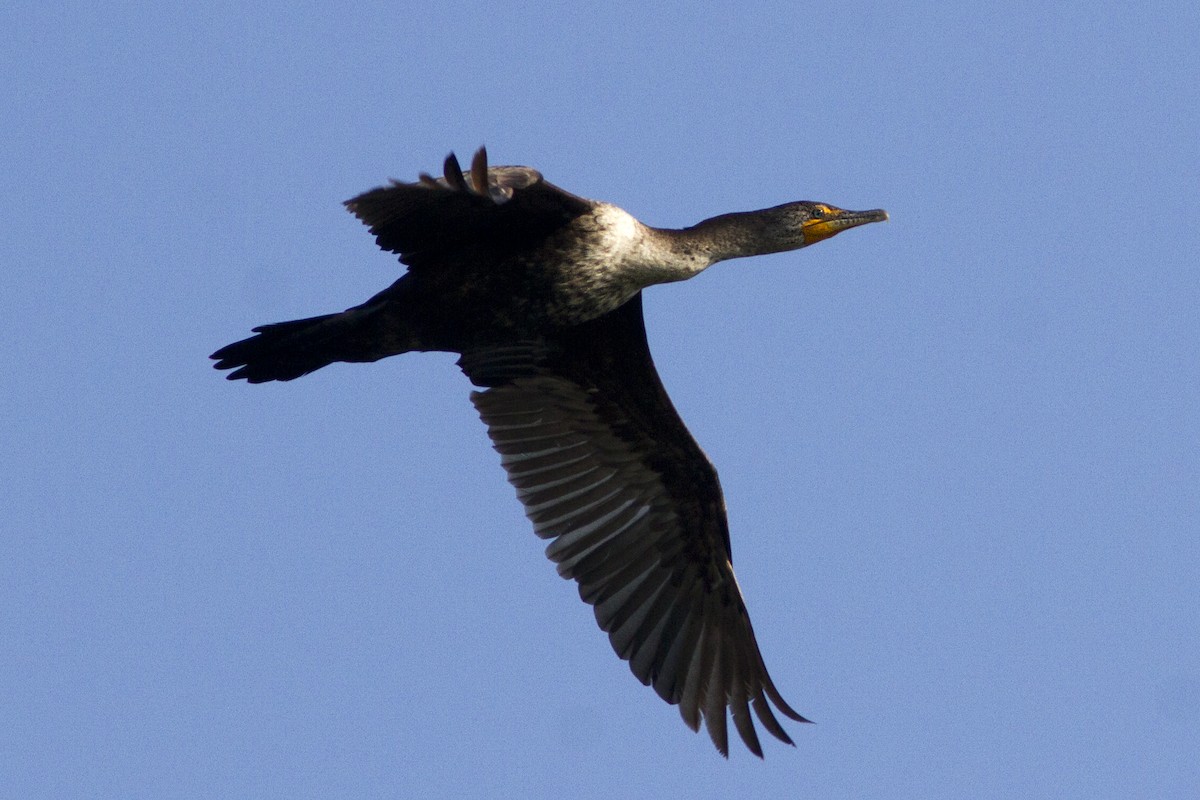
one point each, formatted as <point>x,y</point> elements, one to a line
<point>633,510</point>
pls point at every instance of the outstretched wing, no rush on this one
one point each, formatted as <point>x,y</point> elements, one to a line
<point>492,211</point>
<point>606,469</point>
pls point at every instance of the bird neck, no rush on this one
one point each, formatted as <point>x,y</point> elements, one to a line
<point>737,235</point>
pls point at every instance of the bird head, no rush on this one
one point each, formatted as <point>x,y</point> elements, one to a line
<point>778,229</point>
<point>819,221</point>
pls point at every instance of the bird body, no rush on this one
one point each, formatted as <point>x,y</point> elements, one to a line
<point>539,292</point>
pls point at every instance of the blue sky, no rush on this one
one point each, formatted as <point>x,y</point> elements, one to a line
<point>959,450</point>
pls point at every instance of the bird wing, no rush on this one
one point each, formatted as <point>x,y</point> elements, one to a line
<point>606,469</point>
<point>494,211</point>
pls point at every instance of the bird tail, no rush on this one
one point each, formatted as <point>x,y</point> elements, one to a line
<point>284,351</point>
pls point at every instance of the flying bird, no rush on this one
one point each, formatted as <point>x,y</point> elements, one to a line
<point>540,293</point>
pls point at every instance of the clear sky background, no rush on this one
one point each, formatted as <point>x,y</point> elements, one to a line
<point>960,450</point>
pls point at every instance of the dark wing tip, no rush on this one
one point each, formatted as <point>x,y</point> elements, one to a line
<point>454,174</point>
<point>479,172</point>
<point>780,703</point>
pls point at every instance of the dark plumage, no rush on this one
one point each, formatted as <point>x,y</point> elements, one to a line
<point>539,291</point>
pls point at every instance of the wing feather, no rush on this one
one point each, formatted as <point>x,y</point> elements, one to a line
<point>460,218</point>
<point>633,510</point>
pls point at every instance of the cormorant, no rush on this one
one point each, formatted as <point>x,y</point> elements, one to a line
<point>539,292</point>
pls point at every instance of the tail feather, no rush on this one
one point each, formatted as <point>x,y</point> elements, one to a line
<point>284,351</point>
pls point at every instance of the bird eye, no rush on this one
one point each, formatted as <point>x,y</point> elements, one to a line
<point>820,211</point>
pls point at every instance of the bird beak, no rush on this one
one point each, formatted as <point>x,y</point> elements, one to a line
<point>838,220</point>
